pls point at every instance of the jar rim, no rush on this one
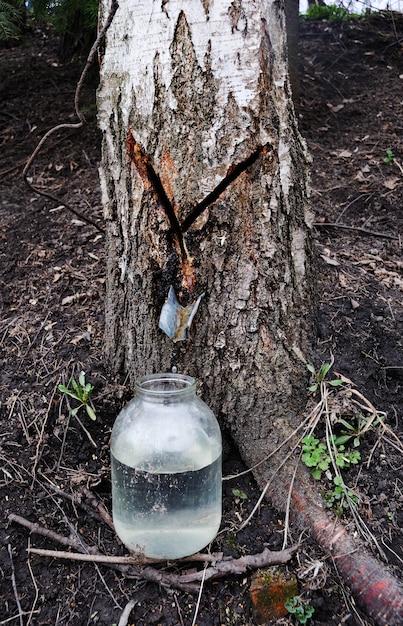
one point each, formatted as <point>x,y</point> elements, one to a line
<point>155,384</point>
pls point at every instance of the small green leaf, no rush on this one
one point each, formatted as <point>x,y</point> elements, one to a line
<point>336,382</point>
<point>324,370</point>
<point>338,441</point>
<point>81,379</point>
<point>238,493</point>
<point>75,411</point>
<point>313,387</point>
<point>90,412</point>
<point>311,368</point>
<point>307,460</point>
<point>68,392</point>
<point>346,424</point>
<point>316,473</point>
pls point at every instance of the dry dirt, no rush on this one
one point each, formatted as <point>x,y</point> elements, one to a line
<point>51,327</point>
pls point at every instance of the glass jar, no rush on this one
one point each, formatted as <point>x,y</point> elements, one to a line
<point>166,469</point>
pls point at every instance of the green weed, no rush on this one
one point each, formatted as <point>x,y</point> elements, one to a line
<point>390,157</point>
<point>317,456</point>
<point>300,608</point>
<point>340,498</point>
<point>81,391</point>
<point>320,376</point>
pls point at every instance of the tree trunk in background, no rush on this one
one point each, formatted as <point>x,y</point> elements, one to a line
<point>192,90</point>
<point>292,22</point>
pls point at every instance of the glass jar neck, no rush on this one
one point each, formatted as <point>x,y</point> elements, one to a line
<point>165,387</point>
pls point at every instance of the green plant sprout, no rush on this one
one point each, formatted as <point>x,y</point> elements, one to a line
<point>390,157</point>
<point>300,608</point>
<point>340,497</point>
<point>320,376</point>
<point>239,495</point>
<point>352,433</point>
<point>81,392</point>
<point>316,456</point>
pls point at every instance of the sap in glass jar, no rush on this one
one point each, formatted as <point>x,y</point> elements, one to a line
<point>166,469</point>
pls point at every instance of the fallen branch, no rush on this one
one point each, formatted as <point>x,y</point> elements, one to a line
<point>220,565</point>
<point>139,567</point>
<point>37,529</point>
<point>363,231</point>
<point>119,560</point>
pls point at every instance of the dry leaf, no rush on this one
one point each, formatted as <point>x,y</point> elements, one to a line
<point>75,298</point>
<point>335,108</point>
<point>342,281</point>
<point>329,260</point>
<point>360,177</point>
<point>354,304</point>
<point>345,154</point>
<point>390,183</point>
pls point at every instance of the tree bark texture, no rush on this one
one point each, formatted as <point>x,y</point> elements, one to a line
<point>195,95</point>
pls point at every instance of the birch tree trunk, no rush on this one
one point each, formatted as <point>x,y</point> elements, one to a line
<point>204,179</point>
<point>195,95</point>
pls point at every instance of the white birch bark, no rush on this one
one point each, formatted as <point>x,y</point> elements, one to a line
<point>195,88</point>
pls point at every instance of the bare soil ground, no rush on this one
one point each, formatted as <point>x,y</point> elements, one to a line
<point>51,328</point>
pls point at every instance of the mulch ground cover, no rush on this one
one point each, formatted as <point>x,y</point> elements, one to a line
<point>54,470</point>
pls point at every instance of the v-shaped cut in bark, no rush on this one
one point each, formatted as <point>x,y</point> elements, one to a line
<point>152,182</point>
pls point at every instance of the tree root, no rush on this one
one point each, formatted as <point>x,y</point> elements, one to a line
<point>378,593</point>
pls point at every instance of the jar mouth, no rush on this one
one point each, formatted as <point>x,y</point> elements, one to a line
<point>168,383</point>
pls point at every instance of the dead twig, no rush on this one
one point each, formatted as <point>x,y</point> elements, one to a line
<point>124,617</point>
<point>99,507</point>
<point>34,527</point>
<point>14,585</point>
<point>363,231</point>
<point>117,560</point>
<point>38,451</point>
<point>32,611</point>
<point>220,566</point>
<point>140,568</point>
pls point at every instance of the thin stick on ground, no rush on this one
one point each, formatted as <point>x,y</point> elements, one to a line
<point>199,596</point>
<point>362,231</point>
<point>124,617</point>
<point>38,451</point>
<point>36,592</point>
<point>14,585</point>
